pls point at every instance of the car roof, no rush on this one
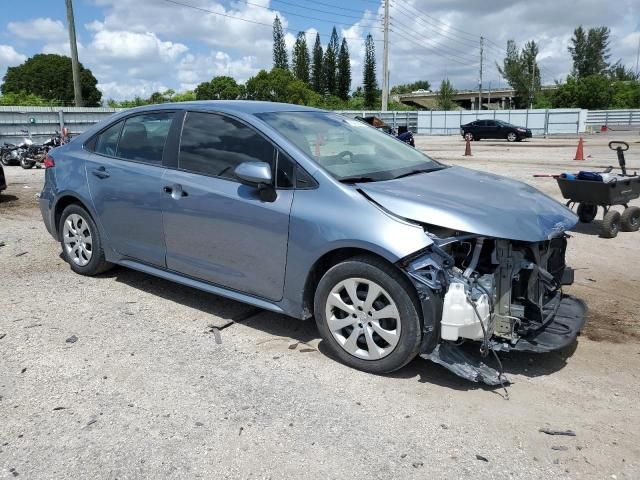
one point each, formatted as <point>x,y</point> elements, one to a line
<point>249,107</point>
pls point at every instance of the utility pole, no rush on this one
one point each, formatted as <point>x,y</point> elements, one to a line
<point>480,80</point>
<point>533,83</point>
<point>75,66</point>
<point>638,57</point>
<point>385,60</point>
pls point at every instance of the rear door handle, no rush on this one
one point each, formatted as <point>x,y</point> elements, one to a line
<point>101,172</point>
<point>175,191</point>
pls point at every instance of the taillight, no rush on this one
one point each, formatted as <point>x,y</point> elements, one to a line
<point>49,162</point>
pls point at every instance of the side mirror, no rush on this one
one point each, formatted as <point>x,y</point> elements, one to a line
<point>254,173</point>
<point>257,174</point>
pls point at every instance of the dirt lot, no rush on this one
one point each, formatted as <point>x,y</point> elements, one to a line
<point>146,391</point>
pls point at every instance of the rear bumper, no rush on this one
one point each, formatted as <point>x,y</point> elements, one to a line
<point>46,209</point>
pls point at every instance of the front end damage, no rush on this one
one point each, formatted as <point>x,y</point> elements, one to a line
<point>502,294</point>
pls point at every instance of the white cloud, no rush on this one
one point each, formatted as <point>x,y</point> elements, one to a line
<point>194,69</point>
<point>9,58</point>
<point>128,89</point>
<point>45,29</point>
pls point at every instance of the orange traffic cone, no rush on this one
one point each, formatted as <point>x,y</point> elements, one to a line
<point>467,148</point>
<point>580,150</point>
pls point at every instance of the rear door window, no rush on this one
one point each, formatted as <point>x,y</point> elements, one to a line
<point>213,144</point>
<point>107,141</point>
<point>143,137</point>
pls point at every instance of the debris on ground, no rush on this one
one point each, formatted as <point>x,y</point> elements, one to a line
<point>2,335</point>
<point>560,448</point>
<point>216,333</point>
<point>2,244</point>
<point>549,431</point>
<point>72,339</point>
<point>293,346</point>
<point>481,458</point>
<point>305,350</point>
<point>21,254</point>
<point>55,409</point>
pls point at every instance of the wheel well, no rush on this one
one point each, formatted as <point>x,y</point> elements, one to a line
<point>63,203</point>
<point>322,265</point>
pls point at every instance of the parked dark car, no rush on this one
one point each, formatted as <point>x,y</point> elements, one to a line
<point>3,181</point>
<point>494,129</point>
<point>312,214</point>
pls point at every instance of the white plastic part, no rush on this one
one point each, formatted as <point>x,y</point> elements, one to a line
<point>459,320</point>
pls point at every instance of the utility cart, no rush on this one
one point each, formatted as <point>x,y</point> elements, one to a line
<point>589,195</point>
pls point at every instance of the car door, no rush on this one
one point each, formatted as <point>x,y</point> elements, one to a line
<point>490,129</point>
<point>217,229</point>
<point>124,173</point>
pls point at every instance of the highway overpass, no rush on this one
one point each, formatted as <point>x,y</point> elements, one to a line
<point>493,99</point>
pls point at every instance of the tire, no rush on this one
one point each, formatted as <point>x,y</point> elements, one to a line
<point>587,212</point>
<point>5,159</point>
<point>26,164</point>
<point>610,224</point>
<point>512,137</point>
<point>365,349</point>
<point>468,136</point>
<point>80,226</point>
<point>630,219</point>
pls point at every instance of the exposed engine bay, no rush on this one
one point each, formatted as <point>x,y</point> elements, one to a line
<point>504,294</point>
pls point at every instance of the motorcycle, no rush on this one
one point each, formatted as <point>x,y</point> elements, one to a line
<point>9,154</point>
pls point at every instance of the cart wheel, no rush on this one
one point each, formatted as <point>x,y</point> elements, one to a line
<point>587,212</point>
<point>630,220</point>
<point>610,224</point>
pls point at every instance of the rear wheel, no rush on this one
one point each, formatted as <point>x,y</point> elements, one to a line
<point>610,224</point>
<point>468,136</point>
<point>5,159</point>
<point>81,242</point>
<point>512,137</point>
<point>26,163</point>
<point>367,314</point>
<point>630,219</point>
<point>587,212</point>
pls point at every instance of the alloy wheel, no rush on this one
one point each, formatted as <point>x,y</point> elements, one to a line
<point>363,318</point>
<point>77,240</point>
<point>511,137</point>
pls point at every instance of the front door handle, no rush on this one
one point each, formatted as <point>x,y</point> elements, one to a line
<point>175,191</point>
<point>101,172</point>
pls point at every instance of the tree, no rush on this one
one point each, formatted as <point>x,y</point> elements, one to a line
<point>410,87</point>
<point>316,66</point>
<point>219,88</point>
<point>300,60</point>
<point>343,80</point>
<point>620,72</point>
<point>590,51</point>
<point>280,58</point>
<point>593,92</point>
<point>445,95</point>
<point>370,84</point>
<point>24,99</point>
<point>521,71</point>
<point>49,76</point>
<point>330,64</point>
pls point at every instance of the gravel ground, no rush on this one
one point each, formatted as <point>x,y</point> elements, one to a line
<point>120,376</point>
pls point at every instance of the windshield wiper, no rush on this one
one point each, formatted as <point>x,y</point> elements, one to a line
<point>357,179</point>
<point>417,171</point>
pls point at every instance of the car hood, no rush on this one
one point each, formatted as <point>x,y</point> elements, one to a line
<point>474,202</point>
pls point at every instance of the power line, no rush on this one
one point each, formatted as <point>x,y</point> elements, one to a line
<point>332,5</point>
<point>408,29</point>
<point>247,20</point>
<point>462,61</point>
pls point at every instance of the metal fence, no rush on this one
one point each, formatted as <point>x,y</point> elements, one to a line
<point>42,122</point>
<point>407,118</point>
<point>629,118</point>
<point>540,121</point>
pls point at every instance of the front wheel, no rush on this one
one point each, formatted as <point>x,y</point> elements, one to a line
<point>512,137</point>
<point>368,315</point>
<point>610,224</point>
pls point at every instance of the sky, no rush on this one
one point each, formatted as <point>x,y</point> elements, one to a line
<point>136,47</point>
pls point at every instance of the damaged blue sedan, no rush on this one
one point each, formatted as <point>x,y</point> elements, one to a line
<point>311,214</point>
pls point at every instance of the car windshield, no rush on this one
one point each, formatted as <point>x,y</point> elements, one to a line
<point>348,149</point>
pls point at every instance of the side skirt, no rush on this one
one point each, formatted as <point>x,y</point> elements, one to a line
<point>204,286</point>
